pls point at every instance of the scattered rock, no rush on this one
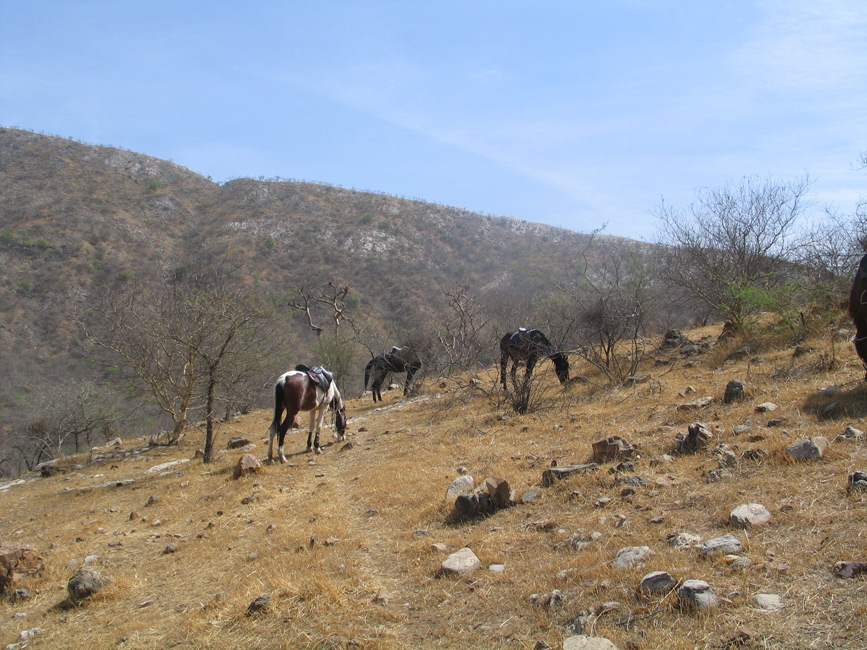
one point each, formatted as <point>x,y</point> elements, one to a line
<point>84,583</point>
<point>697,594</point>
<point>750,514</point>
<point>260,605</point>
<point>829,410</point>
<point>808,449</point>
<point>657,582</point>
<point>724,544</point>
<point>15,558</point>
<point>851,433</point>
<point>698,437</point>
<point>738,561</point>
<point>766,407</point>
<point>164,466</point>
<point>460,563</point>
<point>683,540</point>
<point>695,405</point>
<point>553,474</point>
<point>735,391</point>
<point>612,448</point>
<point>530,495</point>
<point>849,569</point>
<point>247,464</point>
<point>549,600</point>
<point>857,481</point>
<point>584,642</point>
<point>674,339</point>
<point>755,454</point>
<point>381,597</point>
<point>768,602</point>
<point>236,442</point>
<point>492,495</point>
<point>630,556</point>
<point>463,484</point>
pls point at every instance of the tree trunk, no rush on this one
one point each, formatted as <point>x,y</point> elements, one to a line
<point>209,420</point>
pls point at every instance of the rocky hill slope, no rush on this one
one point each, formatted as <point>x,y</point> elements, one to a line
<point>76,219</point>
<point>645,547</point>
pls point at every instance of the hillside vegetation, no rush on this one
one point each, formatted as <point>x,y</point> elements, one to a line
<point>78,222</point>
<point>346,548</point>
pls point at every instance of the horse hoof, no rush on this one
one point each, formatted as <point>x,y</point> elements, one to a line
<point>309,448</point>
<point>319,450</point>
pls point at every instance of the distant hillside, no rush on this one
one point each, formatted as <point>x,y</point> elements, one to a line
<point>75,218</point>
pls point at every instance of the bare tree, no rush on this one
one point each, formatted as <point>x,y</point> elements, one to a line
<point>226,328</point>
<point>189,338</point>
<point>145,326</point>
<point>733,243</point>
<point>464,333</point>
<point>68,418</point>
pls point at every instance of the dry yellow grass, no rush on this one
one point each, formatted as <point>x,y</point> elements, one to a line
<point>382,501</point>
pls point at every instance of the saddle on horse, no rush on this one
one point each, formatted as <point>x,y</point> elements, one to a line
<point>318,374</point>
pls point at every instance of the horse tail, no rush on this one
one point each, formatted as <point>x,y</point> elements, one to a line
<point>367,370</point>
<point>278,406</point>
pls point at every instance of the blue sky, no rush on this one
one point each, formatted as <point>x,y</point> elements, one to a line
<point>573,113</point>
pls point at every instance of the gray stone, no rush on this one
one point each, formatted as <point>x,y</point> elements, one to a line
<point>735,391</point>
<point>657,582</point>
<point>530,495</point>
<point>849,569</point>
<point>857,481</point>
<point>696,405</point>
<point>84,583</point>
<point>553,474</point>
<point>259,605</point>
<point>584,642</point>
<point>851,433</point>
<point>750,514</point>
<point>808,449</point>
<point>630,556</point>
<point>460,562</point>
<point>766,407</point>
<point>768,602</point>
<point>724,544</point>
<point>236,442</point>
<point>461,485</point>
<point>697,594</point>
<point>683,540</point>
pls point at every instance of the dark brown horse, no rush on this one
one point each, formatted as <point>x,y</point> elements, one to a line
<point>858,310</point>
<point>398,360</point>
<point>528,346</point>
<point>305,389</point>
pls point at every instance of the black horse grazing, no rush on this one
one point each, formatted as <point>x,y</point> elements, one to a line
<point>305,389</point>
<point>858,310</point>
<point>398,360</point>
<point>527,346</point>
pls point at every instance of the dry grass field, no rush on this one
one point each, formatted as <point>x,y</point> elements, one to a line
<point>343,542</point>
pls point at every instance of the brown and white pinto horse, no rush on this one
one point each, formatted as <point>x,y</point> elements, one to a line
<point>297,391</point>
<point>858,310</point>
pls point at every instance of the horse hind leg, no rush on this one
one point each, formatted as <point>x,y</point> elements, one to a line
<point>313,432</point>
